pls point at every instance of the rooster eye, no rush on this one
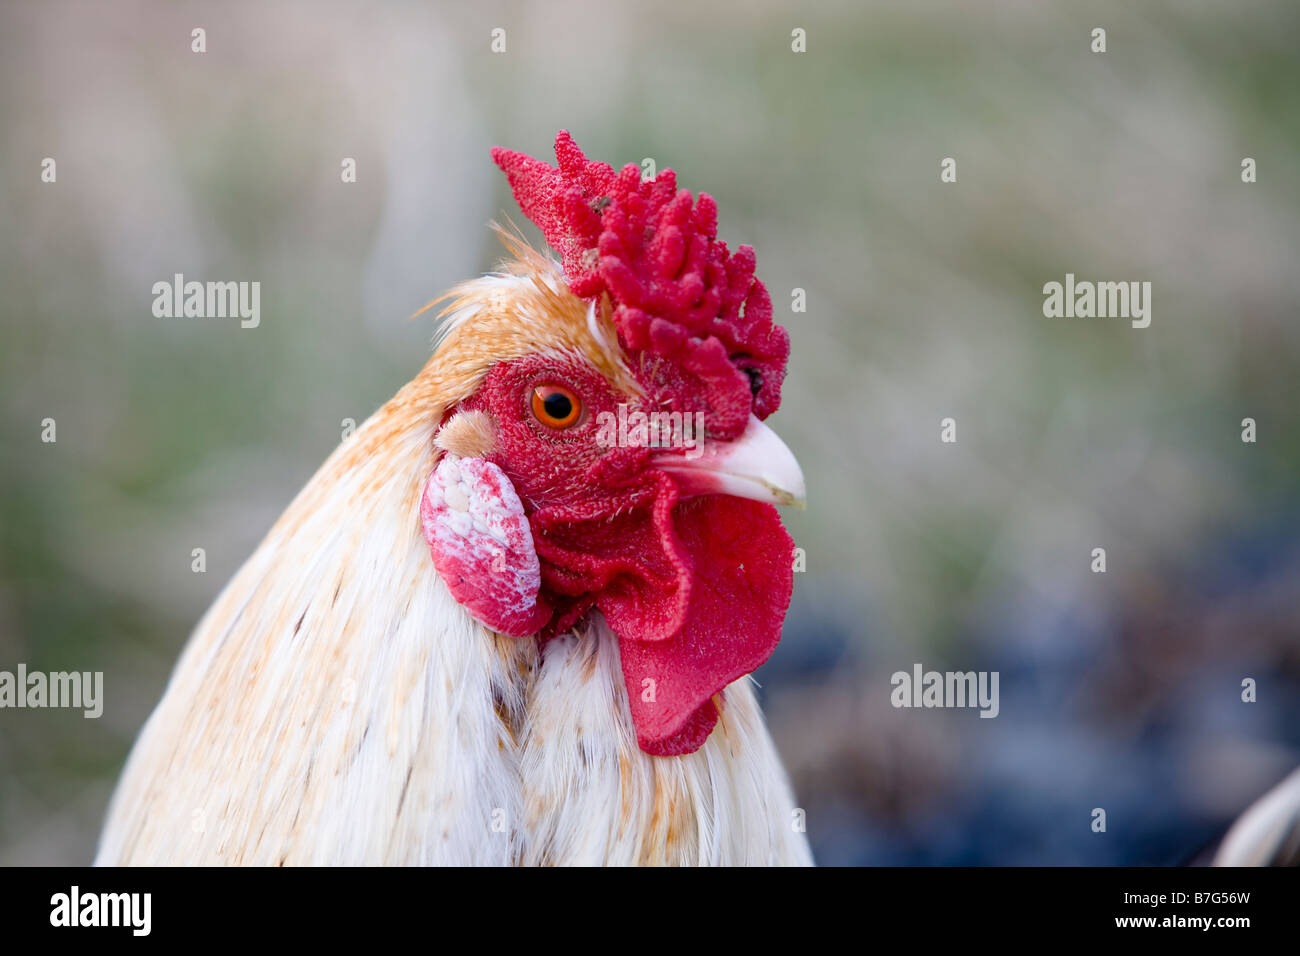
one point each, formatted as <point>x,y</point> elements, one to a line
<point>556,407</point>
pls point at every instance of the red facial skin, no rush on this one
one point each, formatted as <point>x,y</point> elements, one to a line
<point>696,589</point>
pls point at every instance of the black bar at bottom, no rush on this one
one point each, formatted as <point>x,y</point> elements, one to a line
<point>306,906</point>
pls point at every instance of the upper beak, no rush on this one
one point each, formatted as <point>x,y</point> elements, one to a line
<point>757,465</point>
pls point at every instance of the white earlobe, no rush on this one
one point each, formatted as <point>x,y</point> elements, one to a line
<point>482,545</point>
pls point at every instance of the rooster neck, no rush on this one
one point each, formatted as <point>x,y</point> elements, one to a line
<point>337,706</point>
<point>591,796</point>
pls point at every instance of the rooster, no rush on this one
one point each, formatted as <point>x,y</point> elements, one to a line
<point>494,628</point>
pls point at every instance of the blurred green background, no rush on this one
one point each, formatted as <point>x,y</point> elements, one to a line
<point>924,301</point>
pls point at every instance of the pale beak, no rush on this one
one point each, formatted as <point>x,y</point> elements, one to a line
<point>757,465</point>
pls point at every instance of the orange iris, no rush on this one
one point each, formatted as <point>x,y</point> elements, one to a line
<point>556,406</point>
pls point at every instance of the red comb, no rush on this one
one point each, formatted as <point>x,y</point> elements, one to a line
<point>676,291</point>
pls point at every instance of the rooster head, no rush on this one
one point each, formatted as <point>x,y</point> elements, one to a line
<point>608,449</point>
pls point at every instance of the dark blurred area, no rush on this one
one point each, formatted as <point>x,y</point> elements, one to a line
<point>1142,716</point>
<point>1120,690</point>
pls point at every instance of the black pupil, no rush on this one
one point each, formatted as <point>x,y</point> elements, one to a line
<point>557,405</point>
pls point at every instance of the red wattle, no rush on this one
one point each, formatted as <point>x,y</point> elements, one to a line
<point>696,592</point>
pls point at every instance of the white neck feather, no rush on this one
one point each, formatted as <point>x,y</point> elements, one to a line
<point>336,706</point>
